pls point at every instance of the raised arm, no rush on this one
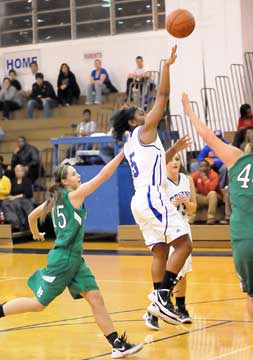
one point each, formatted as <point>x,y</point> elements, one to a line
<point>179,145</point>
<point>77,197</point>
<point>148,131</point>
<point>227,153</point>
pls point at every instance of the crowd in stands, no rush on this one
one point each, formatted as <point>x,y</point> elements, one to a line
<point>17,180</point>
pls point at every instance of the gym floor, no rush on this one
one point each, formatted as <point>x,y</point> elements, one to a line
<point>221,328</point>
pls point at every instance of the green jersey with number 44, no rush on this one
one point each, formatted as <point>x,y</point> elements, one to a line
<point>241,197</point>
<point>68,225</point>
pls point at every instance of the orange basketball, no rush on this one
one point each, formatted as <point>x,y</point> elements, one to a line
<point>180,23</point>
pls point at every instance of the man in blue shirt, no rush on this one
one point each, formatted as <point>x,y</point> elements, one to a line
<point>208,154</point>
<point>99,84</point>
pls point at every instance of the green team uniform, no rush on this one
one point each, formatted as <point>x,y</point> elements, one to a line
<point>66,267</point>
<point>241,221</point>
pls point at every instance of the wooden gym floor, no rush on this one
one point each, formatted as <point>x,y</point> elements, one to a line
<point>66,330</point>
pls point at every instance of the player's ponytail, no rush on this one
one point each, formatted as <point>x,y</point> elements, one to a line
<point>54,191</point>
<point>120,121</point>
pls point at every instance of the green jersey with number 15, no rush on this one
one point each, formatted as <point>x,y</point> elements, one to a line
<point>68,225</point>
<point>241,197</point>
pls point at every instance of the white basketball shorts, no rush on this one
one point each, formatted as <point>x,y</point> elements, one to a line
<point>158,219</point>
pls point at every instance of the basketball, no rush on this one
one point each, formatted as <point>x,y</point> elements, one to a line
<point>180,23</point>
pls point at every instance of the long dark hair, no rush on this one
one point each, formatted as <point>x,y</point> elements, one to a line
<point>55,190</point>
<point>120,121</point>
<point>61,72</point>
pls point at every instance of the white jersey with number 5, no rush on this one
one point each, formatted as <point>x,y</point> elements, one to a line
<point>182,188</point>
<point>158,219</point>
<point>147,162</point>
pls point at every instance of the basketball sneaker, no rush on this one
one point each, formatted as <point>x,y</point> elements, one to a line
<point>183,315</point>
<point>122,348</point>
<point>151,321</point>
<point>164,307</point>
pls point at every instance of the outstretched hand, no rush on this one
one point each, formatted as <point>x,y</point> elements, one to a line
<point>39,236</point>
<point>183,143</point>
<point>173,56</point>
<point>186,104</point>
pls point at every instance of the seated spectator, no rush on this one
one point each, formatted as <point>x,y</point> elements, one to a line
<point>2,164</point>
<point>100,83</point>
<point>29,79</point>
<point>87,126</point>
<point>28,156</point>
<point>9,99</point>
<point>242,138</point>
<point>19,204</point>
<point>14,81</point>
<point>5,186</point>
<point>208,154</point>
<point>246,118</point>
<point>43,97</point>
<point>68,88</point>
<point>138,74</point>
<point>208,191</point>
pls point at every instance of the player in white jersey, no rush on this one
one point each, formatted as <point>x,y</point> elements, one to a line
<point>182,194</point>
<point>158,219</point>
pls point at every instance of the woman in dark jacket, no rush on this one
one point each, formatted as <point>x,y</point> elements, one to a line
<point>18,205</point>
<point>68,88</point>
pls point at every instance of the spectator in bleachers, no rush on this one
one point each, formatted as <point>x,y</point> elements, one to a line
<point>68,89</point>
<point>208,154</point>
<point>208,191</point>
<point>9,99</point>
<point>29,79</point>
<point>28,156</point>
<point>2,164</point>
<point>43,97</point>
<point>99,83</point>
<point>246,118</point>
<point>87,126</point>
<point>243,137</point>
<point>18,205</point>
<point>14,81</point>
<point>5,186</point>
<point>137,74</point>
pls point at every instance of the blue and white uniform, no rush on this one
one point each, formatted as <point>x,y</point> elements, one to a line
<point>158,219</point>
<point>174,190</point>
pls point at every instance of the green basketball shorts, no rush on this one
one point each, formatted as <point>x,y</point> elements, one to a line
<point>63,270</point>
<point>243,260</point>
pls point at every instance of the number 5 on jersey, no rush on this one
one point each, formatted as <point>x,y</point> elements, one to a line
<point>134,167</point>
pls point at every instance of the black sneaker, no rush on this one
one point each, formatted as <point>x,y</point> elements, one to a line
<point>164,308</point>
<point>151,321</point>
<point>183,314</point>
<point>122,348</point>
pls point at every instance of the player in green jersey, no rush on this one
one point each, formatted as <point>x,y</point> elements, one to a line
<point>240,167</point>
<point>66,267</point>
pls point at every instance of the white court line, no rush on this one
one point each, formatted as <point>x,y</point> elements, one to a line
<point>127,281</point>
<point>231,353</point>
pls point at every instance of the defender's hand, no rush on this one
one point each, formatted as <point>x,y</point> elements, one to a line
<point>173,56</point>
<point>186,104</point>
<point>183,143</point>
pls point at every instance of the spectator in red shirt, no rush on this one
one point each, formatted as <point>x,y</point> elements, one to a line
<point>207,187</point>
<point>246,118</point>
